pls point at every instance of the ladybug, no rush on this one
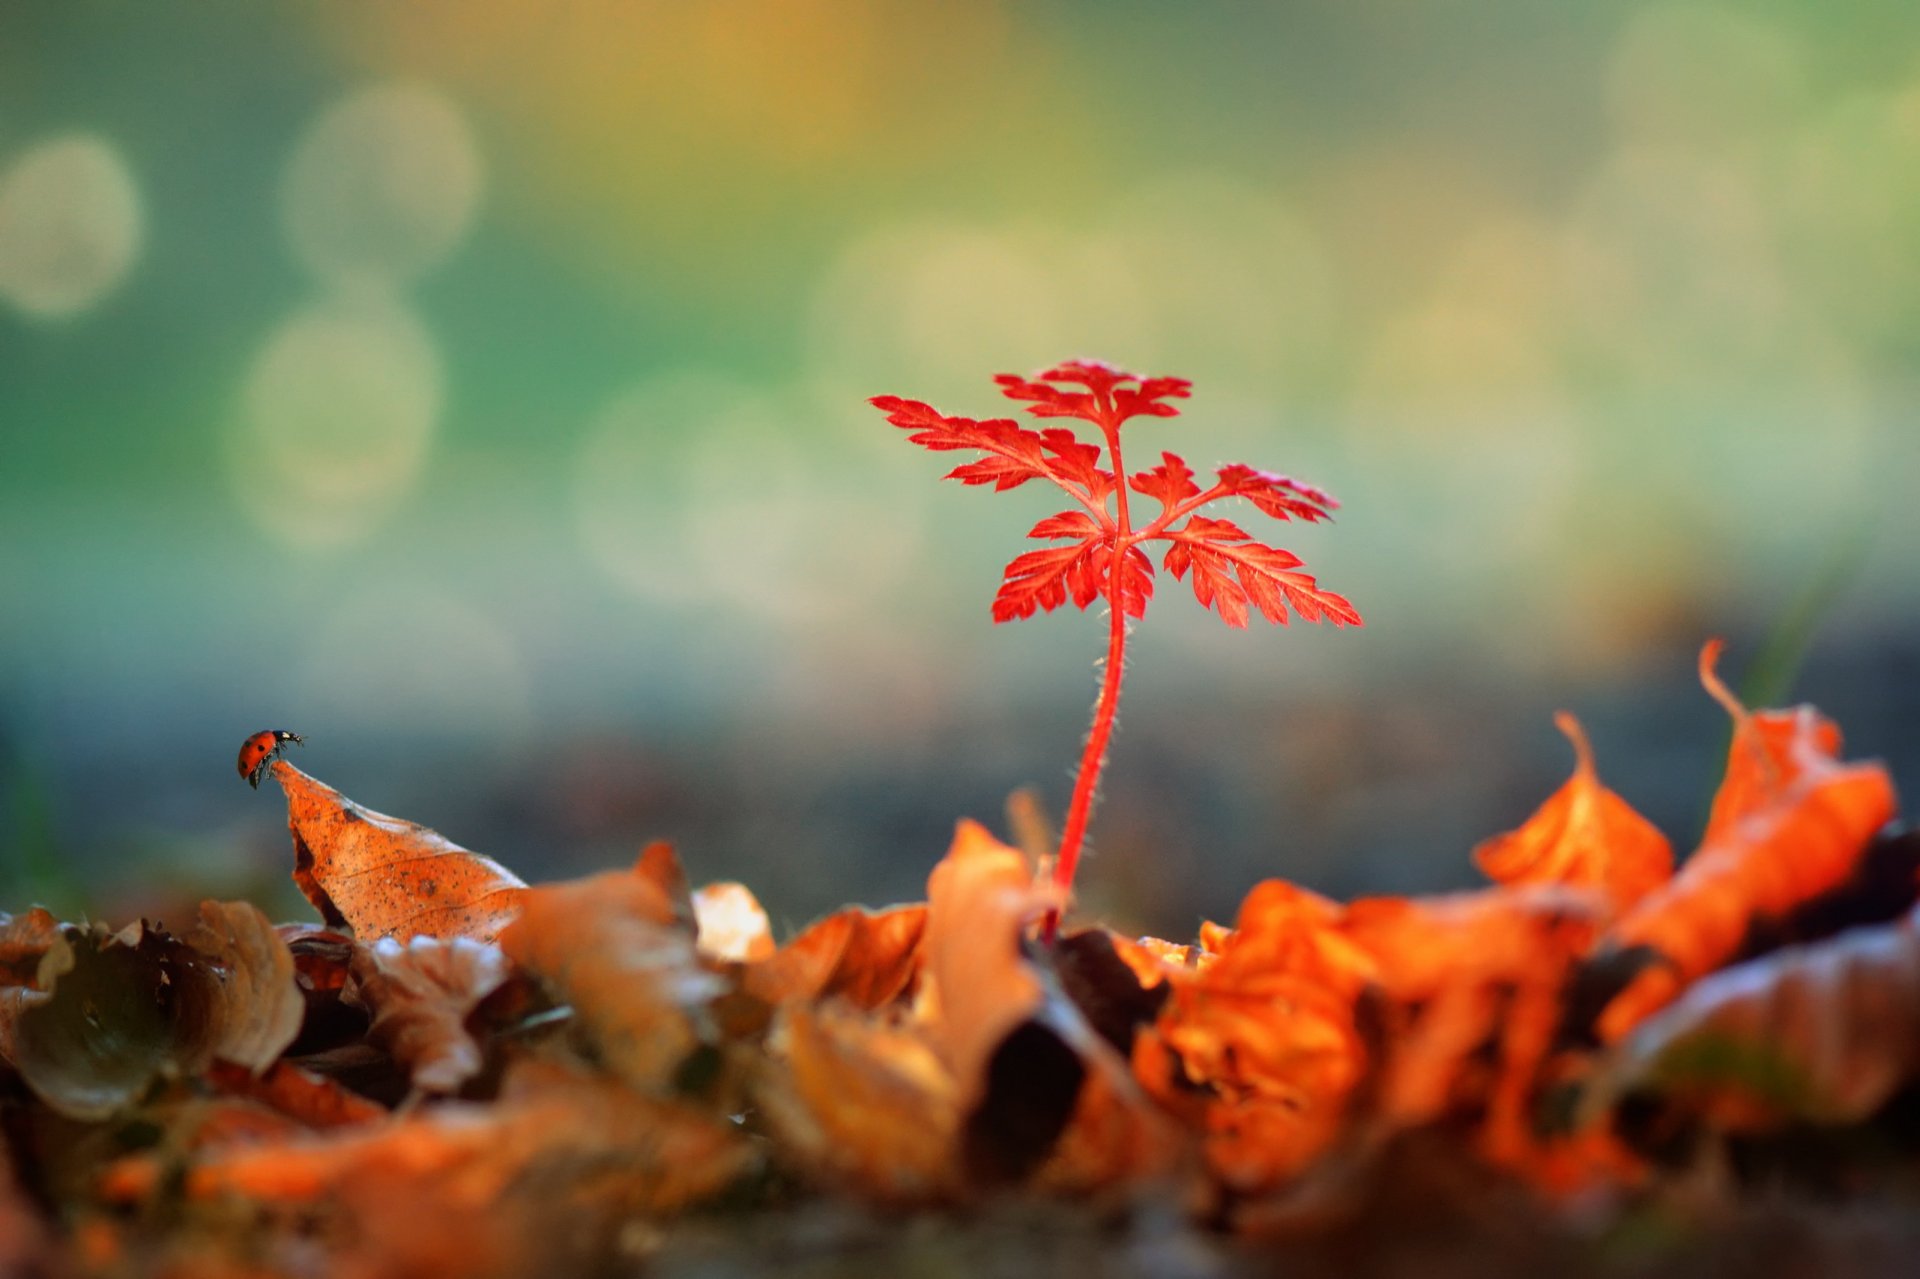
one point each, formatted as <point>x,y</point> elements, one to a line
<point>262,749</point>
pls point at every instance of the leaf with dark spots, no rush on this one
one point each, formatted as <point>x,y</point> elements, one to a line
<point>384,876</point>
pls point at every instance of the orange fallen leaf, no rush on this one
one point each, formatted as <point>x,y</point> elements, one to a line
<point>1789,823</point>
<point>862,1102</point>
<point>1039,1091</point>
<point>980,899</point>
<point>1583,835</point>
<point>1266,1033</point>
<point>611,946</point>
<point>311,1100</point>
<point>485,1188</point>
<point>866,957</point>
<point>23,939</point>
<point>384,876</point>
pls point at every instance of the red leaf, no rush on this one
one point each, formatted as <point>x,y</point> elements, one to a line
<point>1075,524</point>
<point>1078,462</point>
<point>1280,496</point>
<point>1039,581</point>
<point>1102,381</point>
<point>1231,571</point>
<point>1169,483</point>
<point>1014,453</point>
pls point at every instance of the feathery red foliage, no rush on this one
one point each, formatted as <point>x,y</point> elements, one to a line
<point>1099,549</point>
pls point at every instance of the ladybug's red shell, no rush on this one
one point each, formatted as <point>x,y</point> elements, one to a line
<point>262,749</point>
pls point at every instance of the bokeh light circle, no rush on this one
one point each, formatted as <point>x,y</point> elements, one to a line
<point>695,491</point>
<point>70,225</point>
<point>384,185</point>
<point>336,419</point>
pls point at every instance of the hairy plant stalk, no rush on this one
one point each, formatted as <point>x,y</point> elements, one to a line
<point>1107,705</point>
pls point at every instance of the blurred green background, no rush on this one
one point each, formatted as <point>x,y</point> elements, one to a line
<point>476,387</point>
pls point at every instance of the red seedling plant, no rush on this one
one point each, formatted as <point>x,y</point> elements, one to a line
<point>1100,551</point>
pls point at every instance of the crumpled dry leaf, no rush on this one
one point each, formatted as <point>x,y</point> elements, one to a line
<point>869,958</point>
<point>313,1101</point>
<point>23,939</point>
<point>387,877</point>
<point>110,1014</point>
<point>730,924</point>
<point>1040,1092</point>
<point>1259,1045</point>
<point>613,946</point>
<point>980,899</point>
<point>863,1102</point>
<point>262,1007</point>
<point>1583,835</point>
<point>1823,1033</point>
<point>1789,823</point>
<point>421,994</point>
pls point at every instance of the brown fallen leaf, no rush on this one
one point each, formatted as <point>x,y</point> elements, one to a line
<point>1823,1033</point>
<point>261,1006</point>
<point>421,994</point>
<point>611,946</point>
<point>980,900</point>
<point>1042,1096</point>
<point>869,958</point>
<point>861,1102</point>
<point>384,876</point>
<point>112,1013</point>
<point>1790,823</point>
<point>1583,835</point>
<point>23,939</point>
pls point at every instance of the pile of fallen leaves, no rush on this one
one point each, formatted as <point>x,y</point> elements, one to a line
<point>460,1073</point>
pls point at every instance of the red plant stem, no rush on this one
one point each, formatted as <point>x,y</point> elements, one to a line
<point>1107,705</point>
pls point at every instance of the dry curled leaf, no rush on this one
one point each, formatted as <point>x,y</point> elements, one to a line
<point>1260,1044</point>
<point>862,1102</point>
<point>261,1006</point>
<point>611,946</point>
<point>1790,823</point>
<point>23,939</point>
<point>1042,1095</point>
<point>421,994</point>
<point>1583,835</point>
<point>1823,1033</point>
<point>866,957</point>
<point>113,1013</point>
<point>387,877</point>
